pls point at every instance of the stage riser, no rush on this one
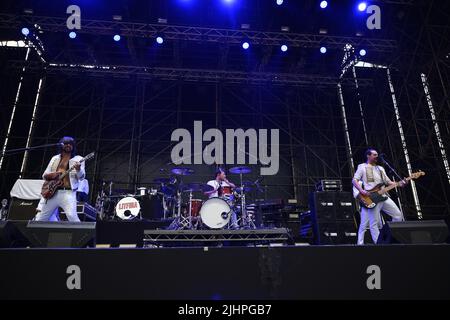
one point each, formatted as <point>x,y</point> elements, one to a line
<point>406,272</point>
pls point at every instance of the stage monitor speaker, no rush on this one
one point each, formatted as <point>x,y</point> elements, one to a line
<point>10,236</point>
<point>5,234</point>
<point>414,232</point>
<point>21,209</point>
<point>60,234</point>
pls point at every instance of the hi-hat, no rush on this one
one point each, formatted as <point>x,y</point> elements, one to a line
<point>182,171</point>
<point>239,170</point>
<point>194,187</point>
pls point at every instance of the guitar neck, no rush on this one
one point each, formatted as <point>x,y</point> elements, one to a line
<point>67,172</point>
<point>387,189</point>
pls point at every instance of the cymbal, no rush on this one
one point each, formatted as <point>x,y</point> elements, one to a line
<point>239,170</point>
<point>162,180</point>
<point>182,171</point>
<point>193,187</point>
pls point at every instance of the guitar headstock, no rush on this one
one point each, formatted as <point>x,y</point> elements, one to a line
<point>417,174</point>
<point>89,156</point>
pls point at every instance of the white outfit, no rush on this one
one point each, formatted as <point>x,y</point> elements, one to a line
<point>83,186</point>
<point>371,176</point>
<point>216,184</point>
<point>66,199</point>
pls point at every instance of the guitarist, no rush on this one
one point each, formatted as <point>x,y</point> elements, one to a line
<point>66,195</point>
<point>371,175</point>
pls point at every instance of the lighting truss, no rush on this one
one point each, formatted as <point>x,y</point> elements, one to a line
<point>200,34</point>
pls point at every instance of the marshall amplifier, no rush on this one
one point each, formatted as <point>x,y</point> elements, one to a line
<point>20,209</point>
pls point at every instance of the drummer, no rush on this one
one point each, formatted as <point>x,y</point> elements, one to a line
<point>218,183</point>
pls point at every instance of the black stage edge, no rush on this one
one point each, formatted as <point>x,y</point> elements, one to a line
<point>115,233</point>
<point>229,273</point>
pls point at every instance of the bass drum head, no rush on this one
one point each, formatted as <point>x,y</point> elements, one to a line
<point>127,208</point>
<point>215,213</point>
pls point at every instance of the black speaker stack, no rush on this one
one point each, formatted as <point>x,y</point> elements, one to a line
<point>332,217</point>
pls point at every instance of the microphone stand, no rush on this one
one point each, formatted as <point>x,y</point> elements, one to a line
<point>19,150</point>
<point>396,189</point>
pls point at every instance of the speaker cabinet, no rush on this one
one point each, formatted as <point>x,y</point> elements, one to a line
<point>20,209</point>
<point>417,232</point>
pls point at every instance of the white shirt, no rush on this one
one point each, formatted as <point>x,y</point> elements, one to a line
<point>371,176</point>
<point>74,175</point>
<point>215,184</point>
<point>83,186</point>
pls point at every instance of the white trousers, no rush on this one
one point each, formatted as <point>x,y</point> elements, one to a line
<point>66,199</point>
<point>371,218</point>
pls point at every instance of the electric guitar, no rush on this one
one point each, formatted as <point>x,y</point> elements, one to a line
<point>50,186</point>
<point>377,194</point>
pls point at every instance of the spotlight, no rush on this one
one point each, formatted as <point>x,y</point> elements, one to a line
<point>72,35</point>
<point>362,6</point>
<point>323,50</point>
<point>284,48</point>
<point>25,31</point>
<point>245,45</point>
<point>116,37</point>
<point>323,4</point>
<point>159,40</point>
<point>362,52</point>
<point>279,2</point>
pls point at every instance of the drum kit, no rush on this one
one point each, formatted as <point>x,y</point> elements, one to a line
<point>180,202</point>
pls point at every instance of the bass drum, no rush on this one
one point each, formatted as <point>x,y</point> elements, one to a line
<point>215,213</point>
<point>128,208</point>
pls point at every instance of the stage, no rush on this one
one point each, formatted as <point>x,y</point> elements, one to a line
<point>228,273</point>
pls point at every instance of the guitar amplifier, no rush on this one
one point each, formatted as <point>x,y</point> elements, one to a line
<point>85,212</point>
<point>329,185</point>
<point>20,209</point>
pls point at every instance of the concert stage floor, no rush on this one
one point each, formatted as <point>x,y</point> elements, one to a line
<point>287,272</point>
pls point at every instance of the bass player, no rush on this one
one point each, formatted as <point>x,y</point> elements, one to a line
<point>372,175</point>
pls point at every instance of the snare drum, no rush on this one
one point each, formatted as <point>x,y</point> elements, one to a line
<point>128,208</point>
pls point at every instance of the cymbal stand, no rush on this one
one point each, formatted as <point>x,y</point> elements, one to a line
<point>247,222</point>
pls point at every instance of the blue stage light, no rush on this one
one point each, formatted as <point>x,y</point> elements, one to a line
<point>72,35</point>
<point>362,52</point>
<point>323,50</point>
<point>25,31</point>
<point>362,6</point>
<point>279,2</point>
<point>323,4</point>
<point>116,37</point>
<point>284,48</point>
<point>245,45</point>
<point>159,40</point>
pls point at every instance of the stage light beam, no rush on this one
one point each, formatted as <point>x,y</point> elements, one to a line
<point>159,40</point>
<point>323,50</point>
<point>362,52</point>
<point>72,35</point>
<point>284,48</point>
<point>323,4</point>
<point>279,2</point>
<point>245,45</point>
<point>116,37</point>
